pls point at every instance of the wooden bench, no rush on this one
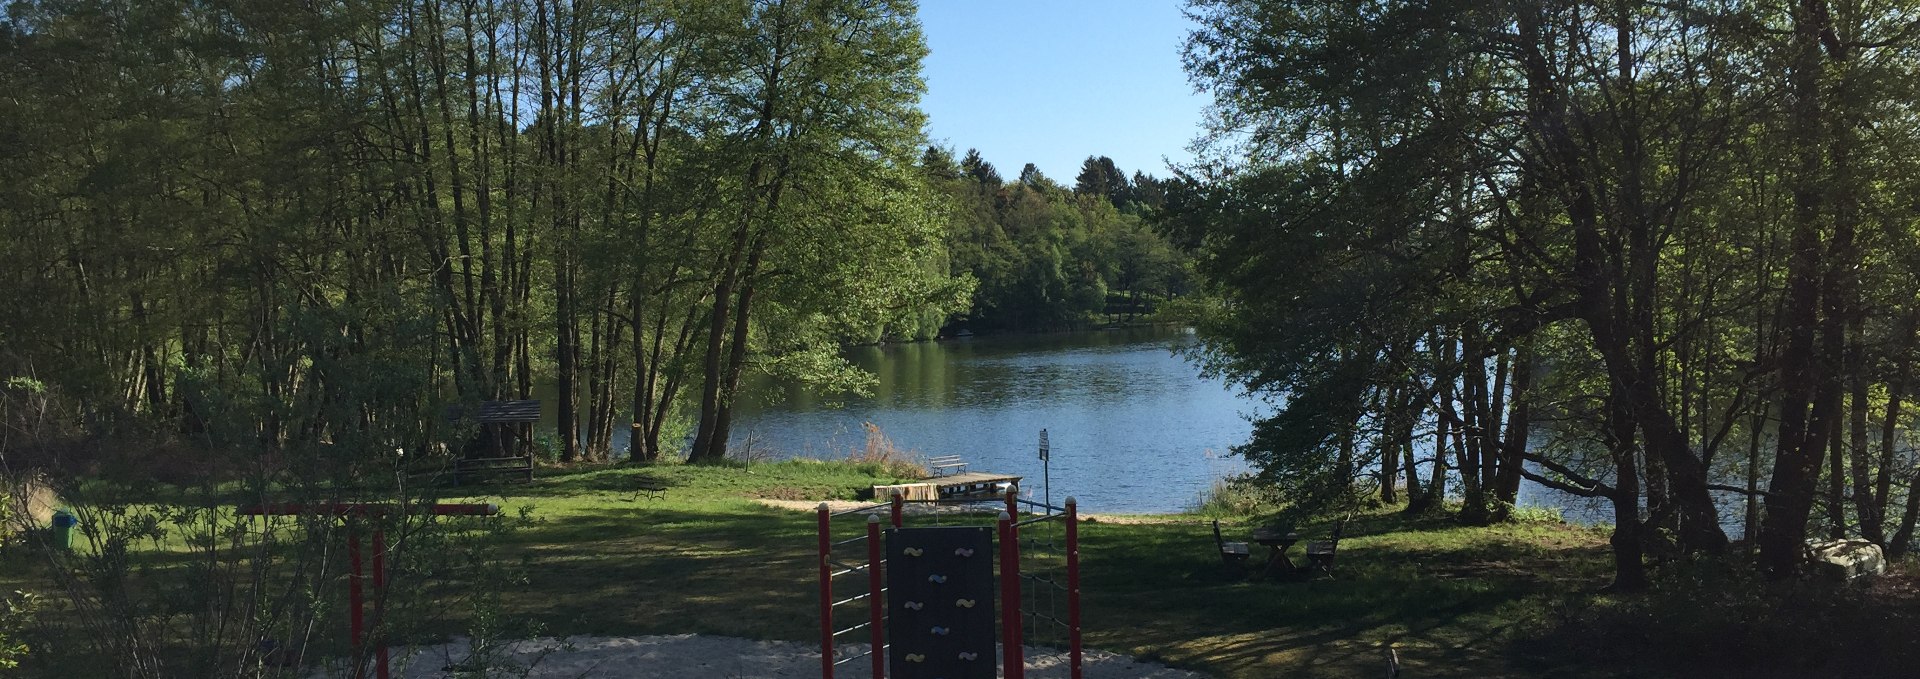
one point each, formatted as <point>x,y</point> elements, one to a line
<point>1320,553</point>
<point>519,465</point>
<point>654,490</point>
<point>946,464</point>
<point>1233,555</point>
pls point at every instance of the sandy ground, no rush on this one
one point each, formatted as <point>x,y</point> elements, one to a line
<point>692,655</point>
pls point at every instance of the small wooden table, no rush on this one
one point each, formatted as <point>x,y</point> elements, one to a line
<point>1277,542</point>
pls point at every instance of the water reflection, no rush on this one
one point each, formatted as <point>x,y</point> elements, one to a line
<point>1134,428</point>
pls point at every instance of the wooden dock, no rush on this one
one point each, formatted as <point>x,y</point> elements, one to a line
<point>951,487</point>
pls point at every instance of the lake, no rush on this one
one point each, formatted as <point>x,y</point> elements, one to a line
<point>1133,427</point>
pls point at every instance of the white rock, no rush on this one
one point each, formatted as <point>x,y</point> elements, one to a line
<point>1846,559</point>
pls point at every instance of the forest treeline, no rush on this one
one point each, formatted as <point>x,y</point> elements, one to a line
<point>270,223</point>
<point>1050,257</point>
<point>1658,253</point>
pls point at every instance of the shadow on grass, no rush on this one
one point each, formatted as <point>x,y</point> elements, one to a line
<point>1160,592</point>
<point>709,560</point>
<point>640,569</point>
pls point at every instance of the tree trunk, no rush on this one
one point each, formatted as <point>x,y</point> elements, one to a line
<point>1435,498</point>
<point>1903,538</point>
<point>1389,448</point>
<point>1414,490</point>
<point>1836,478</point>
<point>1864,509</point>
<point>1629,570</point>
<point>737,356</point>
<point>1803,434</point>
<point>1752,527</point>
<point>1889,429</point>
<point>1506,486</point>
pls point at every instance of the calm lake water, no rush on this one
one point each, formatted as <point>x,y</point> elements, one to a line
<point>1133,427</point>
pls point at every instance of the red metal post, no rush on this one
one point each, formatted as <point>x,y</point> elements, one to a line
<point>356,599</point>
<point>356,623</point>
<point>1014,665</point>
<point>898,507</point>
<point>826,593</point>
<point>876,609</point>
<point>380,603</point>
<point>1073,588</point>
<point>1013,502</point>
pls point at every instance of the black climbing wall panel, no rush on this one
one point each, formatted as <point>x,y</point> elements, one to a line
<point>940,587</point>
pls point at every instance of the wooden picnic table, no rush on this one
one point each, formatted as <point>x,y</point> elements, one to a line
<point>1277,541</point>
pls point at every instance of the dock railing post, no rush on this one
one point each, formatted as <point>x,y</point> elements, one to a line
<point>1073,588</point>
<point>356,603</point>
<point>1046,472</point>
<point>826,591</point>
<point>876,609</point>
<point>897,507</point>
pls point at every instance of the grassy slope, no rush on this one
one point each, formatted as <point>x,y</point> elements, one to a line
<point>709,559</point>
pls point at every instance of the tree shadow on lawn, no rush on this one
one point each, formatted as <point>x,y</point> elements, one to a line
<point>1152,590</point>
<point>1173,602</point>
<point>635,570</point>
<point>782,480</point>
<point>566,483</point>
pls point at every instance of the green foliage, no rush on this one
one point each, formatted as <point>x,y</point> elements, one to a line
<point>244,222</point>
<point>1596,245</point>
<point>171,581</point>
<point>1047,258</point>
<point>17,617</point>
<point>1238,496</point>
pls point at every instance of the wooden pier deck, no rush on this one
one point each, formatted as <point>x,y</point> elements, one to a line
<point>953,486</point>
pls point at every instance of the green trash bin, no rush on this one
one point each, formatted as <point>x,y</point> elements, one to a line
<point>63,523</point>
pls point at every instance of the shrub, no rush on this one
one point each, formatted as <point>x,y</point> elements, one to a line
<point>184,586</point>
<point>889,459</point>
<point>1239,495</point>
<point>16,617</point>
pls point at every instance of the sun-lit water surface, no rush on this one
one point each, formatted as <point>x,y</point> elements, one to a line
<point>1133,427</point>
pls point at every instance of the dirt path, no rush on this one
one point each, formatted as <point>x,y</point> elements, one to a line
<point>693,655</point>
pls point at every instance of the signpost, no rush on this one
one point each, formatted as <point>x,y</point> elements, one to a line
<point>1046,472</point>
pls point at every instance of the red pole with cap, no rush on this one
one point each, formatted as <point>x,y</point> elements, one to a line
<point>1073,588</point>
<point>380,664</point>
<point>1014,665</point>
<point>356,624</point>
<point>826,594</point>
<point>356,599</point>
<point>875,607</point>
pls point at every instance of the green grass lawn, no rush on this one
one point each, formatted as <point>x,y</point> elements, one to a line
<point>709,558</point>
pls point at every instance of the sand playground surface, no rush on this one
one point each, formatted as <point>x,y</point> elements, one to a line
<point>693,655</point>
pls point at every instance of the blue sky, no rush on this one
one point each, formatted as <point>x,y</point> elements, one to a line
<point>1051,82</point>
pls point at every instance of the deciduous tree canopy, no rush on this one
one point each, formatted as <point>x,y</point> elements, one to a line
<point>1651,252</point>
